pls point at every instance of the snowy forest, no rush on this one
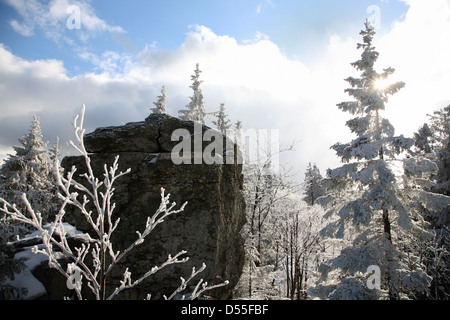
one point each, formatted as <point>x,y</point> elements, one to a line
<point>377,227</point>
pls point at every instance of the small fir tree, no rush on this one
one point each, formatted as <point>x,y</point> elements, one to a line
<point>29,171</point>
<point>312,184</point>
<point>222,123</point>
<point>195,110</point>
<point>160,103</point>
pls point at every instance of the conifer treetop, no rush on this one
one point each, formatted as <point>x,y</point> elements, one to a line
<point>195,110</point>
<point>222,123</point>
<point>160,103</point>
<point>33,141</point>
<point>375,135</point>
<point>364,89</point>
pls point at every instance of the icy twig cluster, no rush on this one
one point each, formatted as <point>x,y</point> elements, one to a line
<point>198,289</point>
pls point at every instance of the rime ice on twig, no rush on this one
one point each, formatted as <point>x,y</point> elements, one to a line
<point>199,288</point>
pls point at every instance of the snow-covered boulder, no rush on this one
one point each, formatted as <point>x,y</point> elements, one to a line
<point>208,229</point>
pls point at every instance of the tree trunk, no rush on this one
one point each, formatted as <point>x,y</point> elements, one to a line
<point>387,225</point>
<point>287,276</point>
<point>387,231</point>
<point>250,280</point>
<point>258,245</point>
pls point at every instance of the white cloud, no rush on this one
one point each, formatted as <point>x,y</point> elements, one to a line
<point>43,87</point>
<point>255,64</point>
<point>109,62</point>
<point>258,37</point>
<point>259,85</point>
<point>259,7</point>
<point>418,48</point>
<point>51,18</point>
<point>23,29</point>
<point>263,4</point>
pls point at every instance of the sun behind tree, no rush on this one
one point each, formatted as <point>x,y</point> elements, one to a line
<point>363,196</point>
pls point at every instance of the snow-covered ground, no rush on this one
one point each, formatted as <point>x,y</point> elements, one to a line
<point>25,278</point>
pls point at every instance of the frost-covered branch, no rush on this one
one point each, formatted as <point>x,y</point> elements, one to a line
<point>199,288</point>
<point>126,283</point>
<point>163,212</point>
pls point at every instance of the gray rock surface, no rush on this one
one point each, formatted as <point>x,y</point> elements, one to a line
<point>208,229</point>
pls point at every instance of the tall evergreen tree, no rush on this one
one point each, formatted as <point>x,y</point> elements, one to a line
<point>29,170</point>
<point>440,150</point>
<point>195,110</point>
<point>432,141</point>
<point>371,210</point>
<point>428,193</point>
<point>423,140</point>
<point>312,185</point>
<point>160,103</point>
<point>222,123</point>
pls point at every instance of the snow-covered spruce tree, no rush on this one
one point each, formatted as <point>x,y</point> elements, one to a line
<point>97,244</point>
<point>222,123</point>
<point>160,103</point>
<point>312,184</point>
<point>26,171</point>
<point>425,188</point>
<point>427,173</point>
<point>29,171</point>
<point>431,210</point>
<point>440,124</point>
<point>432,141</point>
<point>195,110</point>
<point>368,218</point>
<point>423,140</point>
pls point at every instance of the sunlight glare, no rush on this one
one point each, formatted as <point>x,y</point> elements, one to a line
<point>381,84</point>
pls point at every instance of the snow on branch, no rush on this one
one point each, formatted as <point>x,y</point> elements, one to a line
<point>199,288</point>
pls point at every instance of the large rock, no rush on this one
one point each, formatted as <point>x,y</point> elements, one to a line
<point>208,229</point>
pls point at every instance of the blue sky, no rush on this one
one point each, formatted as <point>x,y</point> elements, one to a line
<point>299,28</point>
<point>274,63</point>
